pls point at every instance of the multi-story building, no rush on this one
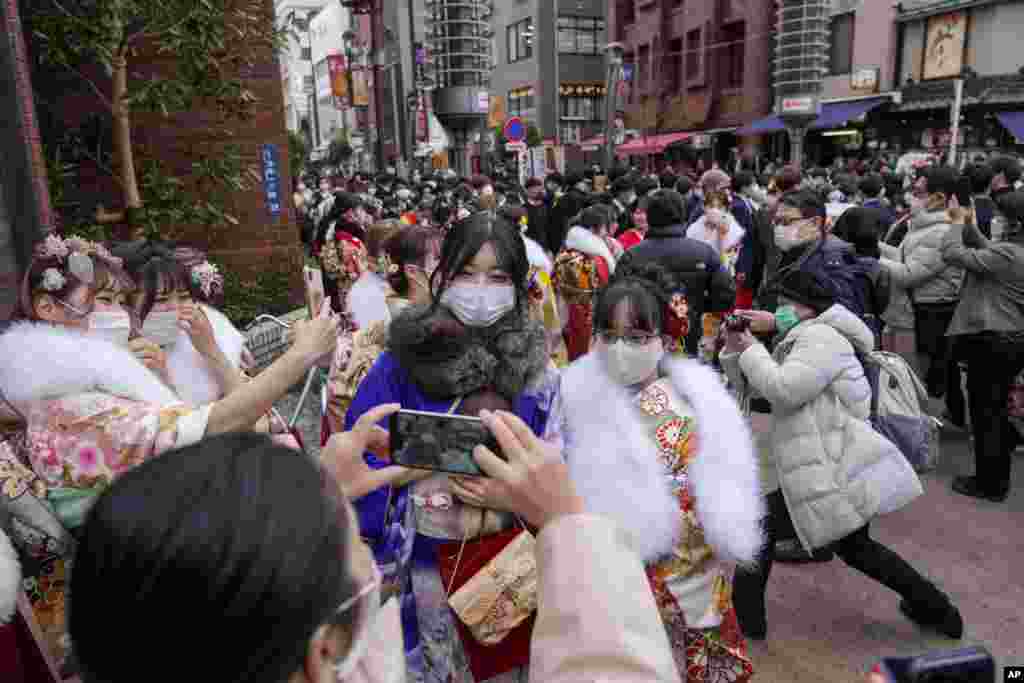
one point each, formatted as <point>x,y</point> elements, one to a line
<point>327,30</point>
<point>695,72</point>
<point>549,67</point>
<point>293,16</point>
<point>942,41</point>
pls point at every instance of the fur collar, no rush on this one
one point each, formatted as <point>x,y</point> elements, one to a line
<point>725,476</point>
<point>581,239</point>
<point>40,360</point>
<point>615,466</point>
<point>447,359</point>
<point>536,256</point>
<point>698,231</point>
<point>613,460</point>
<point>10,579</point>
<point>190,374</point>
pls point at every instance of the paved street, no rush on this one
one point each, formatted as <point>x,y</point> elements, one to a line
<point>827,622</point>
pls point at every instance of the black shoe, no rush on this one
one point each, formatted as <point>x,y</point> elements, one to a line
<point>968,486</point>
<point>753,625</point>
<point>791,552</point>
<point>947,621</point>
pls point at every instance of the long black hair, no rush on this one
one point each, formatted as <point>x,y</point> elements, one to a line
<point>234,549</point>
<point>465,239</point>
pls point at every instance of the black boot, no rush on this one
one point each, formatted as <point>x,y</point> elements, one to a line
<point>945,618</point>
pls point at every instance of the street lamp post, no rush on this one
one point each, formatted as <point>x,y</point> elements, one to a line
<point>613,58</point>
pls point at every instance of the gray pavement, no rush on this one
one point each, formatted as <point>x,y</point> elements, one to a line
<point>827,622</point>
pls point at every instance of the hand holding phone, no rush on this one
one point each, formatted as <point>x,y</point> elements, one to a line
<point>439,441</point>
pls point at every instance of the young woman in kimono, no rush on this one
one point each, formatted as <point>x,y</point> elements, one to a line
<point>473,346</point>
<point>719,229</point>
<point>635,234</point>
<point>404,264</point>
<point>81,410</point>
<point>341,249</point>
<point>581,269</point>
<point>191,345</point>
<point>667,454</point>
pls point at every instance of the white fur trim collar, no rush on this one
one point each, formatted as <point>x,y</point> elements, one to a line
<point>725,478</point>
<point>10,579</point>
<point>581,239</point>
<point>536,256</point>
<point>188,369</point>
<point>614,462</point>
<point>40,360</point>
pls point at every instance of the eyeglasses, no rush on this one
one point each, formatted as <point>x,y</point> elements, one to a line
<point>632,338</point>
<point>79,313</point>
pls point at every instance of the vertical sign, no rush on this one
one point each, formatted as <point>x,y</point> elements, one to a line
<point>271,179</point>
<point>339,79</point>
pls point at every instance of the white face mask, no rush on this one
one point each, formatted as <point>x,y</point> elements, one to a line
<point>477,305</point>
<point>161,328</point>
<point>114,326</point>
<point>998,227</point>
<point>715,216</point>
<point>377,654</point>
<point>629,365</point>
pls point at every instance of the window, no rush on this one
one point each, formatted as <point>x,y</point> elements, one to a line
<point>731,61</point>
<point>674,66</point>
<point>841,47</point>
<point>519,40</point>
<point>580,35</point>
<point>693,53</point>
<point>307,54</point>
<point>582,102</point>
<point>307,84</point>
<point>520,100</point>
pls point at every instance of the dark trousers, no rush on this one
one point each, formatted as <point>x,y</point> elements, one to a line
<point>992,365</point>
<point>857,549</point>
<point>930,324</point>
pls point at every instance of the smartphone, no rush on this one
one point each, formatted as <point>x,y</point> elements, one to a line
<point>439,441</point>
<point>965,665</point>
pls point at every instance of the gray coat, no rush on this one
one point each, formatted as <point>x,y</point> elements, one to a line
<point>918,265</point>
<point>993,296</point>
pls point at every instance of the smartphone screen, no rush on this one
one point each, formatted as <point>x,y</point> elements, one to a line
<point>439,441</point>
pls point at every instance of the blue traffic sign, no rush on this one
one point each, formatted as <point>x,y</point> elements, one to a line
<point>271,179</point>
<point>514,130</point>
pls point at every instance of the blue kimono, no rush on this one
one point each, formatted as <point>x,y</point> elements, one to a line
<point>407,557</point>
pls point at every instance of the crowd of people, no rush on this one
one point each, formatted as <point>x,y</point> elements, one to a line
<point>674,368</point>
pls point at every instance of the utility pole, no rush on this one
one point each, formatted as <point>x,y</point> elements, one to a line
<point>613,77</point>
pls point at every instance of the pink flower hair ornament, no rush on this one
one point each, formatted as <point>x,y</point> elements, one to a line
<point>208,279</point>
<point>73,256</point>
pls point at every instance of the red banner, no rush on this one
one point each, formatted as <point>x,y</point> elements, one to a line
<point>339,78</point>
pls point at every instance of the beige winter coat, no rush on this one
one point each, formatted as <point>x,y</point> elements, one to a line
<point>918,266</point>
<point>834,470</point>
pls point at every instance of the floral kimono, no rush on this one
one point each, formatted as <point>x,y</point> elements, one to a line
<point>621,452</point>
<point>344,260</point>
<point>543,302</point>
<point>580,271</point>
<point>728,245</point>
<point>87,411</point>
<point>692,588</point>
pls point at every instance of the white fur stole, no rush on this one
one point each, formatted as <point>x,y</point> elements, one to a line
<point>42,361</point>
<point>368,300</point>
<point>188,369</point>
<point>581,239</point>
<point>10,579</point>
<point>614,462</point>
<point>724,475</point>
<point>536,256</point>
<point>698,231</point>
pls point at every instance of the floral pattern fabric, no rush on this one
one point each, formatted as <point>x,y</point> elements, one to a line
<point>577,279</point>
<point>72,448</point>
<point>692,589</point>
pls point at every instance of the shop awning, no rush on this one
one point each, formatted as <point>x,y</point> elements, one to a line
<point>652,144</point>
<point>592,144</point>
<point>770,124</point>
<point>833,115</point>
<point>836,114</point>
<point>1013,121</point>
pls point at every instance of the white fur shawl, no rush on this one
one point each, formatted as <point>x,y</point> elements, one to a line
<point>614,462</point>
<point>367,300</point>
<point>615,466</point>
<point>698,231</point>
<point>188,369</point>
<point>40,360</point>
<point>10,579</point>
<point>581,239</point>
<point>536,256</point>
<point>724,475</point>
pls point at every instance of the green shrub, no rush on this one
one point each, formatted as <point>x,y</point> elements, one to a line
<point>244,299</point>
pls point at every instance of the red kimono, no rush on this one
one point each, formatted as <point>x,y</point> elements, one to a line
<point>581,270</point>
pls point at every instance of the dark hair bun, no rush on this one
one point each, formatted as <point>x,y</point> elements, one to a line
<point>656,277</point>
